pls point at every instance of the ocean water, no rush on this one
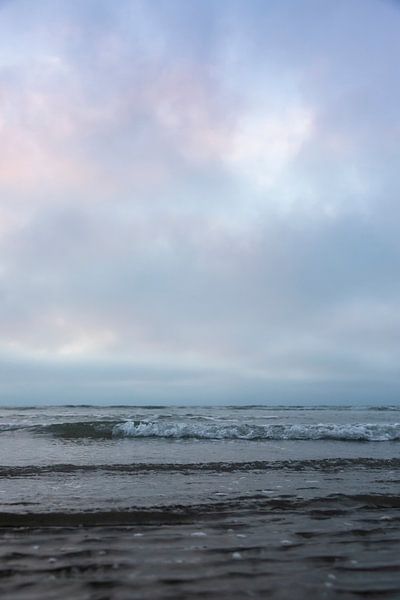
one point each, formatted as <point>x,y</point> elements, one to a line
<point>199,502</point>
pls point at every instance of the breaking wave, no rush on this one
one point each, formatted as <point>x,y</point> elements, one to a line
<point>350,432</point>
<point>206,430</point>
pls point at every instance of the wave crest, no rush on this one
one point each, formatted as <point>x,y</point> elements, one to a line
<point>176,430</point>
<point>201,429</point>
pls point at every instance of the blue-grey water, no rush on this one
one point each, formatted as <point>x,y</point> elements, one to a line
<point>178,502</point>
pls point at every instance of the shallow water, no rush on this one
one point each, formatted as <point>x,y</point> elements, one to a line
<point>136,502</point>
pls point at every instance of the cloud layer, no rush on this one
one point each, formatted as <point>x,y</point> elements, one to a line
<point>199,201</point>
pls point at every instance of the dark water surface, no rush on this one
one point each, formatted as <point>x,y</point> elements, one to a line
<point>189,502</point>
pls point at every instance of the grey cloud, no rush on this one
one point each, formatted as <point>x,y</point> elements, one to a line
<point>194,290</point>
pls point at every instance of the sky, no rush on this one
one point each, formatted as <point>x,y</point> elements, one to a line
<point>199,201</point>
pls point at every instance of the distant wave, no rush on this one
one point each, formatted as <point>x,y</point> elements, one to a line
<point>233,407</point>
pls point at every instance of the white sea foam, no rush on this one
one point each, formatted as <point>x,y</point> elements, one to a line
<point>181,430</point>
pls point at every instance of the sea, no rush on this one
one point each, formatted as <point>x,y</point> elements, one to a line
<point>182,502</point>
